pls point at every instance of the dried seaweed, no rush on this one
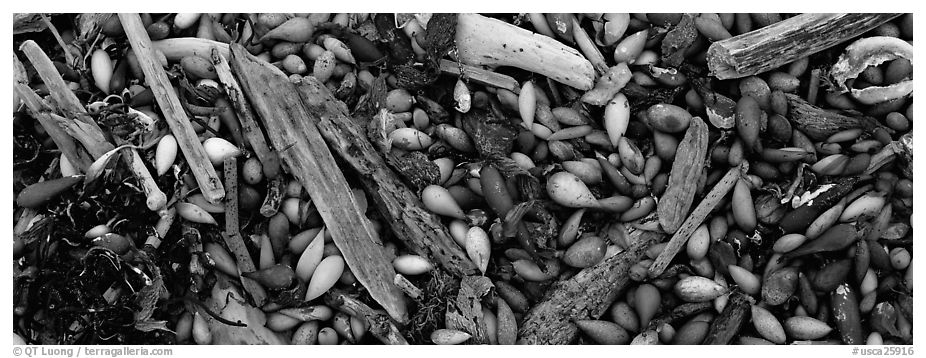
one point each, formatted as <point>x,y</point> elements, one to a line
<point>677,41</point>
<point>492,136</point>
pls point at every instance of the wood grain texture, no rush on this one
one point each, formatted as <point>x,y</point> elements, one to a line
<point>482,40</point>
<point>233,237</point>
<point>176,117</point>
<point>587,295</point>
<point>291,129</point>
<point>780,43</point>
<point>269,160</point>
<point>419,229</point>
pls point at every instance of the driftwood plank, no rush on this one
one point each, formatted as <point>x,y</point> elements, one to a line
<point>780,43</point>
<point>177,120</point>
<point>303,150</point>
<point>586,295</point>
<point>415,226</point>
<point>269,160</point>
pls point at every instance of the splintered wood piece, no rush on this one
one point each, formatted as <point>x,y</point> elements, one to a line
<point>176,118</point>
<point>289,123</point>
<point>780,43</point>
<point>381,326</point>
<point>695,219</point>
<point>818,123</point>
<point>269,160</point>
<point>683,179</point>
<point>418,228</point>
<point>587,295</point>
<point>232,234</point>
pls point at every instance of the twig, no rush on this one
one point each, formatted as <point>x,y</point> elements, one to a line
<point>695,219</point>
<point>269,159</point>
<point>588,47</point>
<point>162,227</point>
<point>480,76</point>
<point>155,198</point>
<point>177,120</point>
<point>406,286</point>
<point>380,325</point>
<point>64,47</point>
<point>232,233</point>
